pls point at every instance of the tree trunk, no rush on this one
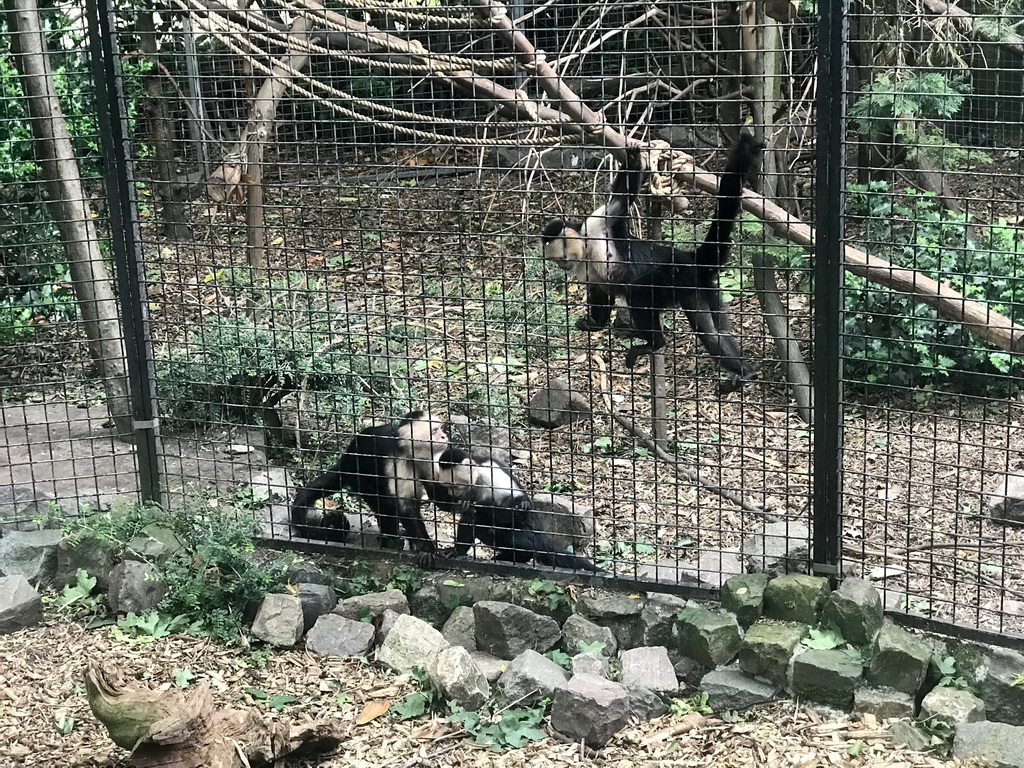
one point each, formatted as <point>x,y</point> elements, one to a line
<point>161,131</point>
<point>69,209</point>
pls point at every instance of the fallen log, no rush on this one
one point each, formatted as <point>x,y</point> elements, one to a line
<point>169,730</point>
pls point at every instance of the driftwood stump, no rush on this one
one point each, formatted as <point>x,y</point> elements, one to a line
<point>170,730</point>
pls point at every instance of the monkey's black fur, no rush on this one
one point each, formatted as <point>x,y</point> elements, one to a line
<point>652,277</point>
<point>498,512</point>
<point>380,466</point>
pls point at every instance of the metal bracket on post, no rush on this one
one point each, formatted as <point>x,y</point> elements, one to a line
<point>125,240</point>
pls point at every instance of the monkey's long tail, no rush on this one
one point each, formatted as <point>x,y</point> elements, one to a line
<point>715,249</point>
<point>625,189</point>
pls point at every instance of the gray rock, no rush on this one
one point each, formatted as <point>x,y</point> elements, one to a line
<point>22,506</point>
<point>657,620</point>
<point>827,677</point>
<point>991,672</point>
<point>644,704</point>
<point>675,572</point>
<point>856,611</point>
<point>568,523</point>
<point>618,611</point>
<point>951,706</point>
<point>900,660</point>
<point>796,597</point>
<point>730,689</point>
<point>590,709</point>
<point>135,587</point>
<point>649,668</point>
<point>556,406</point>
<point>1006,502</point>
<point>20,605</point>
<point>768,648</point>
<point>316,599</point>
<point>782,547</point>
<point>384,623</point>
<point>505,630</point>
<point>410,643</point>
<point>154,543</point>
<point>491,666</point>
<point>440,594</point>
<point>482,435</point>
<point>744,596</point>
<point>1000,744</point>
<point>579,630</point>
<point>32,554</point>
<point>591,664</point>
<point>689,671</point>
<point>716,566</point>
<point>883,703</point>
<point>87,552</point>
<point>530,677</point>
<point>458,677</point>
<point>905,733</point>
<point>369,607</point>
<point>307,573</point>
<point>279,620</point>
<point>460,629</point>
<point>337,636</point>
<point>712,638</point>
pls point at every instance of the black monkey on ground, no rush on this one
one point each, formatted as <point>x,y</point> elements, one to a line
<point>498,512</point>
<point>653,277</point>
<point>390,467</point>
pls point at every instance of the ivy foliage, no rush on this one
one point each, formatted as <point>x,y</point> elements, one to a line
<point>892,339</point>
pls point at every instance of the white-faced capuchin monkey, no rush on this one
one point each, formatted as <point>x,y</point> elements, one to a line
<point>390,468</point>
<point>498,512</point>
<point>652,277</point>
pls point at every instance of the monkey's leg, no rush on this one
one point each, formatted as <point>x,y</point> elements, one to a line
<point>465,535</point>
<point>647,325</point>
<point>600,302</point>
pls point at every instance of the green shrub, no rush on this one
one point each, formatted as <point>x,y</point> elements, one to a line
<point>892,339</point>
<point>214,575</point>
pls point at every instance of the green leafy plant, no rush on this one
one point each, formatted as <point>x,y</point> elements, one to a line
<point>946,670</point>
<point>147,628</point>
<point>79,592</point>
<point>561,658</point>
<point>64,724</point>
<point>892,340</point>
<point>549,592</point>
<point>510,728</point>
<point>1018,680</point>
<point>212,577</point>
<point>275,702</point>
<point>824,639</point>
<point>696,703</point>
<point>416,704</point>
<point>620,550</point>
<point>596,646</point>
<point>928,95</point>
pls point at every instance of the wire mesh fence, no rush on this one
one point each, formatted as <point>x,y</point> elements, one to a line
<point>325,216</point>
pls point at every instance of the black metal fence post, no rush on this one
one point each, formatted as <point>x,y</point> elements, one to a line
<point>828,286</point>
<point>126,240</point>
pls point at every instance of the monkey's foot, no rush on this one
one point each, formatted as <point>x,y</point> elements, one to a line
<point>589,324</point>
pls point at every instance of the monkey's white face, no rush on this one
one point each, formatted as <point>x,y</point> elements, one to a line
<point>565,249</point>
<point>426,436</point>
<point>457,479</point>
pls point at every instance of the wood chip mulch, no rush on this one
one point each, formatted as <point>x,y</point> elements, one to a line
<point>41,689</point>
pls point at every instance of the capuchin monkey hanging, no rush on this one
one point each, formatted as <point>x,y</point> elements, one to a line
<point>389,467</point>
<point>653,277</point>
<point>498,512</point>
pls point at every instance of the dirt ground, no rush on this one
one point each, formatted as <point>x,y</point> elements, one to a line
<point>45,719</point>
